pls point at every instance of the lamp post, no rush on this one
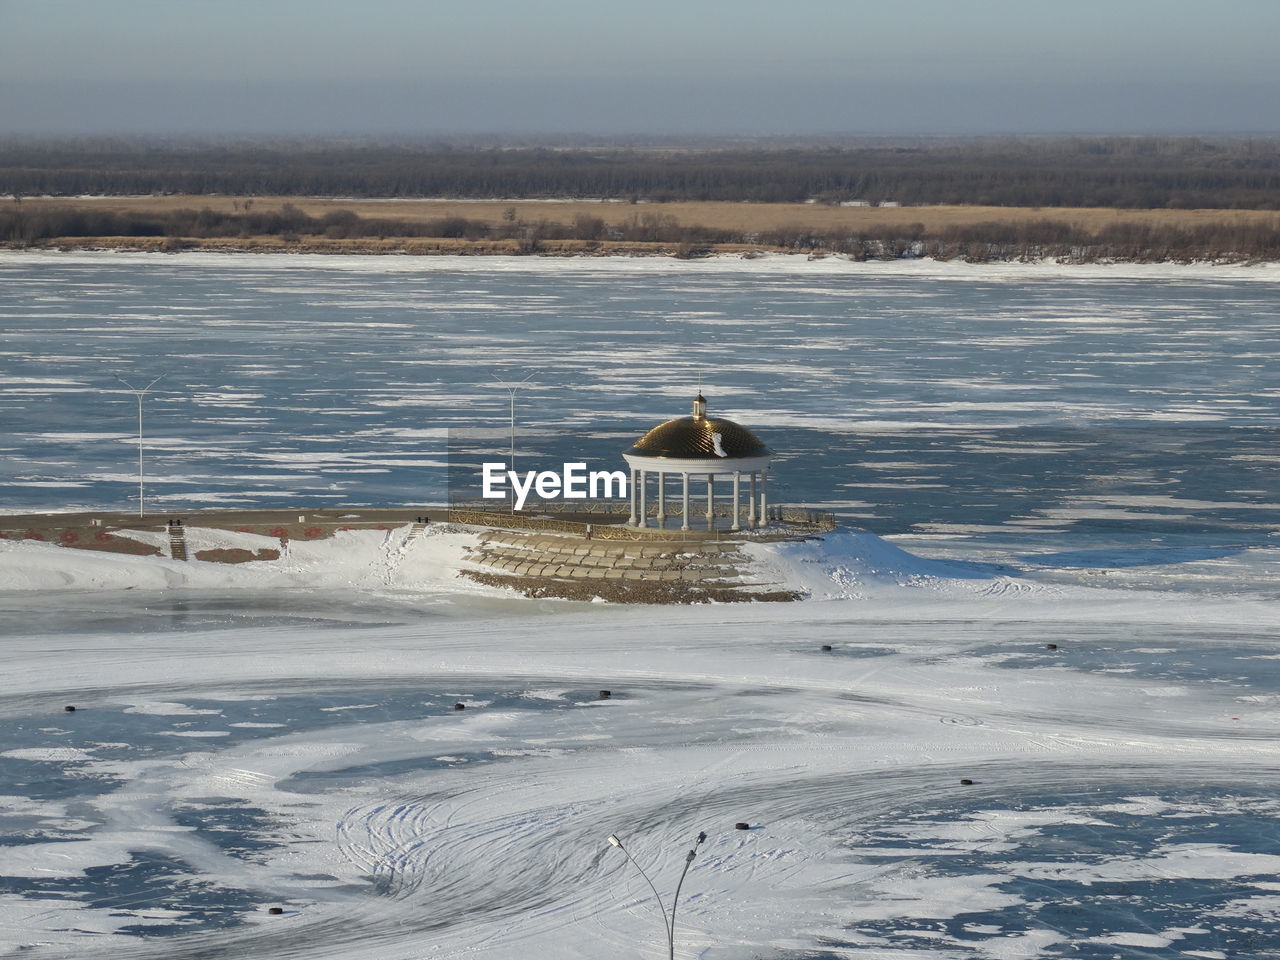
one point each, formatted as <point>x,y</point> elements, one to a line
<point>511,389</point>
<point>668,922</point>
<point>140,394</point>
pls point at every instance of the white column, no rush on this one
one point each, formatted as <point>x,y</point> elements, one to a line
<point>751,509</point>
<point>662,500</point>
<point>711,501</point>
<point>684,522</point>
<point>632,521</point>
<point>737,500</point>
<point>764,497</point>
<point>644,507</point>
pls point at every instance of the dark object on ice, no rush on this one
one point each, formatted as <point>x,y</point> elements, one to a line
<point>966,782</point>
<point>826,647</point>
<point>606,694</point>
<point>459,706</point>
<point>742,826</point>
<point>275,911</point>
<point>1051,646</point>
<point>69,709</point>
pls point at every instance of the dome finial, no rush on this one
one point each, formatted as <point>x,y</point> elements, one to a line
<point>699,406</point>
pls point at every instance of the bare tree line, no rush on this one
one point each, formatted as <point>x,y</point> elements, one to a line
<point>22,226</point>
<point>1130,172</point>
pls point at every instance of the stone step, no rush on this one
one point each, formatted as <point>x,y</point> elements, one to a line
<point>177,542</point>
<point>712,563</point>
<point>414,531</point>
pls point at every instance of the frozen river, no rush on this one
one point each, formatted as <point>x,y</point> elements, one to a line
<point>1093,450</point>
<point>929,396</point>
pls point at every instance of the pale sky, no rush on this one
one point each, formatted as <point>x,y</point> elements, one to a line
<point>421,67</point>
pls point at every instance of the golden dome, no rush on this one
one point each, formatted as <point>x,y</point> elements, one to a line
<point>699,438</point>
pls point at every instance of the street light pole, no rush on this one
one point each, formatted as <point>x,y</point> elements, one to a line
<point>511,389</point>
<point>139,394</point>
<point>675,899</point>
<point>669,923</point>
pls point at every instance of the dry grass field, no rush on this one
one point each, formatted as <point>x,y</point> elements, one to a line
<point>413,246</point>
<point>744,217</point>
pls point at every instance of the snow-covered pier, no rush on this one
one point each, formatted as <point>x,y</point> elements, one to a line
<point>569,556</point>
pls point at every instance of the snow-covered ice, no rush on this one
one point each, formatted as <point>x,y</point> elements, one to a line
<point>211,771</point>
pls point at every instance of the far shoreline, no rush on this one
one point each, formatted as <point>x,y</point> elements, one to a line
<point>754,261</point>
<point>681,230</point>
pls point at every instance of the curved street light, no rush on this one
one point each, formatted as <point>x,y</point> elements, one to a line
<point>668,922</point>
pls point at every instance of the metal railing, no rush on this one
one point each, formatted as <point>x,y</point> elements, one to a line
<point>533,505</point>
<point>492,515</point>
<point>595,531</point>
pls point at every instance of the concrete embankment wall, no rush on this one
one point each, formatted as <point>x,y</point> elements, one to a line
<point>137,536</point>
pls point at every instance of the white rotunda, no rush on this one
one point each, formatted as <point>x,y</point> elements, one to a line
<point>700,449</point>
